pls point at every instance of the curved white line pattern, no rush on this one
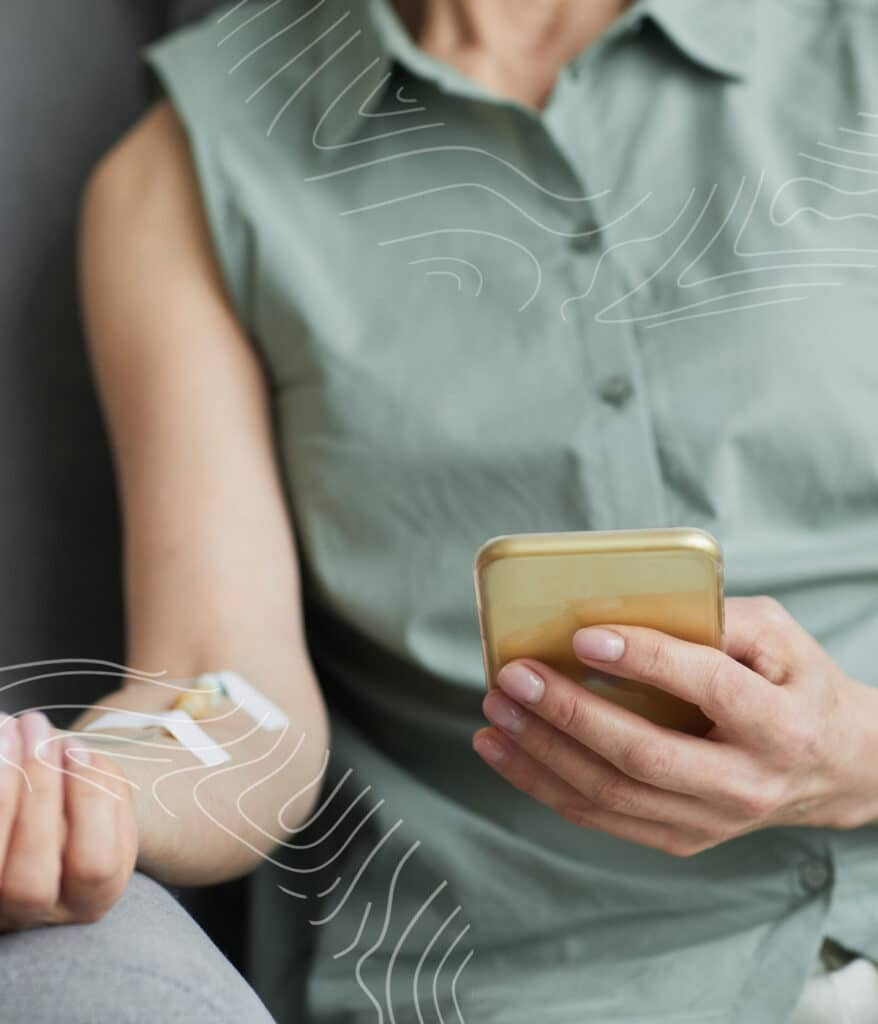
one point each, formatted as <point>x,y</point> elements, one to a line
<point>841,167</point>
<point>589,233</point>
<point>454,981</point>
<point>285,106</point>
<point>371,138</point>
<point>383,933</point>
<point>488,234</point>
<point>360,871</point>
<point>387,113</point>
<point>286,66</point>
<point>454,148</point>
<point>455,259</point>
<point>265,857</point>
<point>859,132</point>
<point>330,888</point>
<point>356,939</point>
<point>427,950</point>
<point>727,300</point>
<point>438,971</point>
<point>276,35</point>
<point>231,11</point>
<point>121,670</point>
<point>401,942</point>
<point>244,24</point>
<point>871,154</point>
<point>795,251</point>
<point>447,273</point>
<point>318,778</point>
<point>827,186</point>
<point>612,312</point>
<point>249,832</point>
<point>606,253</point>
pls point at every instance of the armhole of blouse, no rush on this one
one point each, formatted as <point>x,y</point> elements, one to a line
<point>192,82</point>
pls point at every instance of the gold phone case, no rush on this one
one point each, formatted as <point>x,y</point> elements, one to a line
<point>534,590</point>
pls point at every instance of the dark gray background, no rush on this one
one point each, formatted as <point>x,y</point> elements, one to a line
<point>71,82</point>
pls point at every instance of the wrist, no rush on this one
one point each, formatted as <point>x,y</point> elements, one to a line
<point>857,755</point>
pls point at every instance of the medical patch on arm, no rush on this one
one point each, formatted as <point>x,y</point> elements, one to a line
<point>248,698</point>
<point>179,724</point>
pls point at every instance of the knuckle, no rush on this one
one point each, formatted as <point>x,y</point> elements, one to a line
<point>95,870</point>
<point>719,693</point>
<point>685,846</point>
<point>9,798</point>
<point>770,610</point>
<point>570,715</point>
<point>542,743</point>
<point>800,740</point>
<point>769,653</point>
<point>93,914</point>
<point>113,773</point>
<point>44,784</point>
<point>757,802</point>
<point>844,819</point>
<point>29,894</point>
<point>768,662</point>
<point>580,814</point>
<point>654,659</point>
<point>615,793</point>
<point>646,760</point>
<point>713,835</point>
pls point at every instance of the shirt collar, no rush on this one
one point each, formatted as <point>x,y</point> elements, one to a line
<point>354,65</point>
<point>717,35</point>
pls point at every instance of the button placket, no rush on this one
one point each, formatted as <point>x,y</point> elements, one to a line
<point>584,236</point>
<point>615,431</point>
<point>815,875</point>
<point>616,389</point>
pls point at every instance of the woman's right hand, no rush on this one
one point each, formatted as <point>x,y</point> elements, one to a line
<point>68,834</point>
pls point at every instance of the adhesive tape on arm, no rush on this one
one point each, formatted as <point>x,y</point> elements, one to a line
<point>177,723</point>
<point>247,697</point>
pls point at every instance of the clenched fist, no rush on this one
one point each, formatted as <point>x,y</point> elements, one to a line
<point>68,835</point>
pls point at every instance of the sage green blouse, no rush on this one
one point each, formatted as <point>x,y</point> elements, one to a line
<point>652,303</point>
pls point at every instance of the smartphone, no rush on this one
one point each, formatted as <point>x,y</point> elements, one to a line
<point>534,590</point>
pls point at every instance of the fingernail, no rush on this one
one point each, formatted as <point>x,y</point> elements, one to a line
<point>35,728</point>
<point>76,751</point>
<point>489,749</point>
<point>521,683</point>
<point>10,744</point>
<point>503,712</point>
<point>598,644</point>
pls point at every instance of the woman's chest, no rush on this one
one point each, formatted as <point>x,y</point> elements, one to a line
<point>458,312</point>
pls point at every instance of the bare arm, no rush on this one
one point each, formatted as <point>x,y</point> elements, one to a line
<point>211,573</point>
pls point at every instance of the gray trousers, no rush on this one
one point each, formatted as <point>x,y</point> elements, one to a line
<point>146,960</point>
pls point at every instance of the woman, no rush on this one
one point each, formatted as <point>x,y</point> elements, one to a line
<point>470,268</point>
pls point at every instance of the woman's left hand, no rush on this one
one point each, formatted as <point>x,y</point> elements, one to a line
<point>793,742</point>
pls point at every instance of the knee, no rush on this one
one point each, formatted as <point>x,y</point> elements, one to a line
<point>146,960</point>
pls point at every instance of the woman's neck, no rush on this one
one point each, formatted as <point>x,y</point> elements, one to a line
<point>515,47</point>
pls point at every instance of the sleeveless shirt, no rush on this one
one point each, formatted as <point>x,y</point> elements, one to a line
<point>651,303</point>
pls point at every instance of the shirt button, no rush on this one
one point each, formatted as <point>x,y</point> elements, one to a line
<point>814,875</point>
<point>584,236</point>
<point>616,389</point>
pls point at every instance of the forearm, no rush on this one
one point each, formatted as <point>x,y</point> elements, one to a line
<point>200,824</point>
<point>211,561</point>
